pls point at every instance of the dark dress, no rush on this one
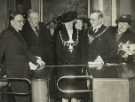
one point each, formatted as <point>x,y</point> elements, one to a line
<point>128,70</point>
<point>126,36</point>
<point>65,57</point>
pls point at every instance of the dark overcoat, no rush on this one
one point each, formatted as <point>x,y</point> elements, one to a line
<point>14,55</point>
<point>101,45</point>
<point>14,58</point>
<point>40,45</point>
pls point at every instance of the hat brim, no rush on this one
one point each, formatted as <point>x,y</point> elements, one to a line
<point>69,16</point>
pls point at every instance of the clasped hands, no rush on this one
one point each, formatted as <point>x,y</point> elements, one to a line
<point>40,64</point>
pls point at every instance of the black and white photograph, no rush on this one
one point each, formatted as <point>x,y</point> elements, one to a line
<point>67,51</point>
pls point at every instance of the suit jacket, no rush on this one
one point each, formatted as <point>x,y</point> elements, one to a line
<point>14,55</point>
<point>101,45</point>
<point>41,45</point>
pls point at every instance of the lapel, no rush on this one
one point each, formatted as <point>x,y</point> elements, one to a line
<point>64,33</point>
<point>100,30</point>
<point>19,36</point>
<point>98,36</point>
<point>34,33</point>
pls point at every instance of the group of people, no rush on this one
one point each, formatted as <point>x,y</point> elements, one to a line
<point>27,47</point>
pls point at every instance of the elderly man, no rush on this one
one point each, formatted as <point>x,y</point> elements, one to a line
<point>99,42</point>
<point>14,54</point>
<point>40,43</point>
<point>38,38</point>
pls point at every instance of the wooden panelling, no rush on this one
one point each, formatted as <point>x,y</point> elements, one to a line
<point>57,7</point>
<point>110,90</point>
<point>3,14</point>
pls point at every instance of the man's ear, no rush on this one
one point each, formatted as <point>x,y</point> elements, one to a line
<point>12,22</point>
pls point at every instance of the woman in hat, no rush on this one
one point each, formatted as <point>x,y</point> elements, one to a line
<point>68,53</point>
<point>124,35</point>
<point>125,45</point>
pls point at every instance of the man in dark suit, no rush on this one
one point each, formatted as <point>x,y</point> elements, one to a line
<point>40,43</point>
<point>99,38</point>
<point>14,55</point>
<point>38,38</point>
<point>100,48</point>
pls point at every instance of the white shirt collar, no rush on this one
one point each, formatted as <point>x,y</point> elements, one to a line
<point>97,27</point>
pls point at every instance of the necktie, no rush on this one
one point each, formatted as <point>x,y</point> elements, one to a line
<point>36,31</point>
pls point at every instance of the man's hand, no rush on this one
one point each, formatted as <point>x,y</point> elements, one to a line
<point>32,66</point>
<point>96,64</point>
<point>39,66</point>
<point>41,63</point>
<point>100,62</point>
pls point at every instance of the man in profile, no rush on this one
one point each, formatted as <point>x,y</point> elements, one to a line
<point>15,56</point>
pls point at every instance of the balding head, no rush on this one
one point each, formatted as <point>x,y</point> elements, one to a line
<point>33,18</point>
<point>96,18</point>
